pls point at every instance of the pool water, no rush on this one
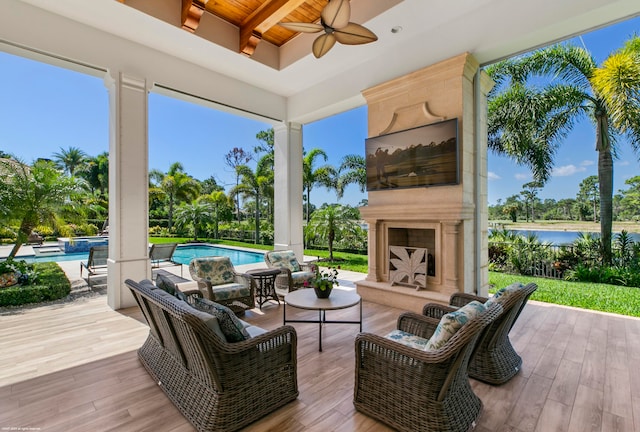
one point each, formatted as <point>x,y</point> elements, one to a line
<point>183,254</point>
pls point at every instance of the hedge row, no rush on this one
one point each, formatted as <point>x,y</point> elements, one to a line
<point>51,284</point>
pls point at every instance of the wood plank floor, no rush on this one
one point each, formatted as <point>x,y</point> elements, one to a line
<point>73,367</point>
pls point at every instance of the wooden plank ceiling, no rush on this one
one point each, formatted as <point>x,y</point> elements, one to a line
<point>256,19</point>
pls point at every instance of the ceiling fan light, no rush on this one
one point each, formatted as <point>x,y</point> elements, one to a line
<point>354,34</point>
<point>323,44</point>
<point>336,13</point>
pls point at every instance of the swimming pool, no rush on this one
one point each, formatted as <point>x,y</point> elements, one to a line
<point>183,254</point>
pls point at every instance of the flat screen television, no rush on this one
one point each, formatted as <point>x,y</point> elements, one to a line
<point>418,157</point>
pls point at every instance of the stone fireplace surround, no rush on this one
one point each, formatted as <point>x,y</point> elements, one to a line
<point>441,232</point>
<point>446,215</point>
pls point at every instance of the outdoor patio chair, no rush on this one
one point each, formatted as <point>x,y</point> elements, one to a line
<point>96,263</point>
<point>494,360</point>
<point>293,274</point>
<point>218,281</point>
<point>404,382</point>
<point>161,255</point>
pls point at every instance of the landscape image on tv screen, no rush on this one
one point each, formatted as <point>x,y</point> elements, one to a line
<point>418,157</point>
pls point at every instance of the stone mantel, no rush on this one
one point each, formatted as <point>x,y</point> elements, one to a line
<point>417,213</point>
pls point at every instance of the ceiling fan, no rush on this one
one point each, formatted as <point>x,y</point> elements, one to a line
<point>334,20</point>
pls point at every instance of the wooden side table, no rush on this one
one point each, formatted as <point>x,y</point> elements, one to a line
<point>266,284</point>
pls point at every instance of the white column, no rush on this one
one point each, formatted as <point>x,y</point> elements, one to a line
<point>128,187</point>
<point>288,188</point>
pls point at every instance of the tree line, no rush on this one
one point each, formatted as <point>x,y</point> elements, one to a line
<point>527,206</point>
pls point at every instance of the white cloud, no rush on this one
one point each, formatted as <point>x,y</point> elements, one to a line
<point>521,176</point>
<point>493,176</point>
<point>567,170</point>
<point>586,163</point>
<point>624,163</point>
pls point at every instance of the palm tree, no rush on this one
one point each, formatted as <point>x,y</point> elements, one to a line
<point>33,196</point>
<point>195,215</point>
<point>217,199</point>
<point>323,176</point>
<point>331,222</point>
<point>529,122</point>
<point>253,184</point>
<point>70,160</point>
<point>236,157</point>
<point>353,170</point>
<point>177,186</point>
<point>95,171</point>
<point>530,195</point>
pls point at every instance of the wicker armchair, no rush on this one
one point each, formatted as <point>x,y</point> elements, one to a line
<point>292,273</point>
<point>216,385</point>
<point>219,282</point>
<point>494,361</point>
<point>416,390</point>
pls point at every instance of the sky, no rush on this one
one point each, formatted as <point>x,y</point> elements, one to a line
<point>45,108</point>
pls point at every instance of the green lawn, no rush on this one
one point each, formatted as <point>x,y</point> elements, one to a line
<point>601,297</point>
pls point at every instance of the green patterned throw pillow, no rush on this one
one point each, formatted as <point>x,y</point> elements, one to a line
<point>229,323</point>
<point>284,259</point>
<point>452,322</point>
<point>503,294</point>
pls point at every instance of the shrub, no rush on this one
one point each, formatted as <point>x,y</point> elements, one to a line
<point>51,284</point>
<point>7,233</point>
<point>158,231</point>
<point>89,229</point>
<point>44,230</point>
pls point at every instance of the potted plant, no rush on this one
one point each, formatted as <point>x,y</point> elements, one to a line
<point>13,272</point>
<point>323,281</point>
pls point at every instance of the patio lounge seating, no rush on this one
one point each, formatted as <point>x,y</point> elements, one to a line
<point>494,361</point>
<point>161,255</point>
<point>96,263</point>
<point>218,281</point>
<point>216,384</point>
<point>410,388</point>
<point>293,274</point>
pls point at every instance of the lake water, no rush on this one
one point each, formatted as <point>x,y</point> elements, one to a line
<point>562,237</point>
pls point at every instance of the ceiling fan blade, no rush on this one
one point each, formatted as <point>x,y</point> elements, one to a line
<point>354,34</point>
<point>336,13</point>
<point>323,44</point>
<point>302,27</point>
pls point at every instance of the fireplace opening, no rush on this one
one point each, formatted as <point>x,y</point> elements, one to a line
<point>411,255</point>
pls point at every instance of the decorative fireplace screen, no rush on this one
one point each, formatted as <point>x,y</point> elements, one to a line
<point>408,266</point>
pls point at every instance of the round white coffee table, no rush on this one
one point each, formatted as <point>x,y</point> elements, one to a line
<point>306,299</point>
